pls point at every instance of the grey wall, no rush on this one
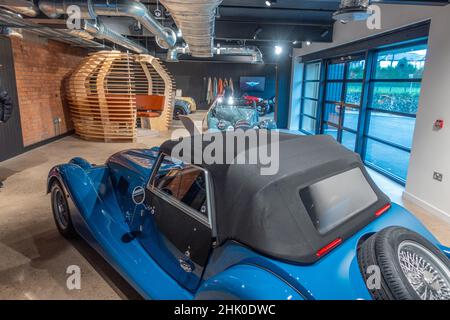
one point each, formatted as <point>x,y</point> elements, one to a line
<point>191,77</point>
<point>11,142</point>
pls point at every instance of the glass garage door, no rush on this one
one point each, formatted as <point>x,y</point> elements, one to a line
<point>310,98</point>
<point>342,103</point>
<point>391,114</point>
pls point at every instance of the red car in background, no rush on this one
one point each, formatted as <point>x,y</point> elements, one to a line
<point>262,106</point>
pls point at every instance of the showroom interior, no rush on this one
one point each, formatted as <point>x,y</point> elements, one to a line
<point>92,78</point>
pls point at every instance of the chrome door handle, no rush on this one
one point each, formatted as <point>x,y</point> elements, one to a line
<point>186,265</point>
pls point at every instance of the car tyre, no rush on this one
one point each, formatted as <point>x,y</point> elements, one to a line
<point>411,267</point>
<point>61,212</point>
<point>178,112</point>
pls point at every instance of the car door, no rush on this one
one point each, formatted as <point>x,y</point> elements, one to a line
<point>177,232</point>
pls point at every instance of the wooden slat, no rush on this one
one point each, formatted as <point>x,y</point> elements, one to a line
<point>101,94</point>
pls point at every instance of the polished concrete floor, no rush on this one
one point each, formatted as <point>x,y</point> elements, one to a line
<point>34,257</point>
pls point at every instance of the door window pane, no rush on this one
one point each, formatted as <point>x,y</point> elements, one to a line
<point>334,91</point>
<point>351,117</point>
<point>336,71</point>
<point>308,125</point>
<point>356,69</point>
<point>184,183</point>
<point>349,140</point>
<point>392,160</point>
<point>192,190</point>
<point>168,180</point>
<point>353,93</point>
<point>396,97</point>
<point>330,130</point>
<point>311,90</point>
<point>404,63</point>
<point>332,113</point>
<point>312,71</point>
<point>392,128</point>
<point>310,107</point>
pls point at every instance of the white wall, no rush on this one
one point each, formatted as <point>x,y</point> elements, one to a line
<point>431,149</point>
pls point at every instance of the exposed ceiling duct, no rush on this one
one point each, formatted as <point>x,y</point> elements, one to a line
<point>15,20</point>
<point>172,54</point>
<point>352,10</point>
<point>196,20</point>
<point>99,31</point>
<point>11,32</point>
<point>165,37</point>
<point>26,8</point>
<point>254,52</point>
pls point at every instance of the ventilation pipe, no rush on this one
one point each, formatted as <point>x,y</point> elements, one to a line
<point>172,54</point>
<point>352,10</point>
<point>254,52</point>
<point>26,8</point>
<point>165,37</point>
<point>12,18</point>
<point>98,30</point>
<point>196,20</point>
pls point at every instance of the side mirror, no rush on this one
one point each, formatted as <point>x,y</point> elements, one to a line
<point>138,195</point>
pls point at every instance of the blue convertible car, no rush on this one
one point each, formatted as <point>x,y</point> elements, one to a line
<point>317,229</point>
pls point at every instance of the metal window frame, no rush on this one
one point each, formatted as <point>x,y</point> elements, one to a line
<point>303,98</point>
<point>342,104</point>
<point>368,83</point>
<point>373,54</point>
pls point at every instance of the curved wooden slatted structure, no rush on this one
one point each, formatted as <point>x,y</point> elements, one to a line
<point>101,94</point>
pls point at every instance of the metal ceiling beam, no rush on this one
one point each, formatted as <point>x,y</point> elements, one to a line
<point>414,2</point>
<point>280,22</point>
<point>276,8</point>
<point>271,32</point>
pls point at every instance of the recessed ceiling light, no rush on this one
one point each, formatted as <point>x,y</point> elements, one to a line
<point>269,3</point>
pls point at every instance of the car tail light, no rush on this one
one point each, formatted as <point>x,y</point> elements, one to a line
<point>383,210</point>
<point>329,247</point>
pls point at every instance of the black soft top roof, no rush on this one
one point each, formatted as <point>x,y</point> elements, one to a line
<point>265,212</point>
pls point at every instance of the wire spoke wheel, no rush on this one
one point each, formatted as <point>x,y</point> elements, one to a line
<point>60,207</point>
<point>411,267</point>
<point>428,276</point>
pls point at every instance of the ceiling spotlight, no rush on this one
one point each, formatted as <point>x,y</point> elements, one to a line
<point>294,42</point>
<point>278,50</point>
<point>352,10</point>
<point>269,3</point>
<point>308,43</point>
<point>179,33</point>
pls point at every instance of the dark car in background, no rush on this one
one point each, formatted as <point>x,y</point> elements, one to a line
<point>230,114</point>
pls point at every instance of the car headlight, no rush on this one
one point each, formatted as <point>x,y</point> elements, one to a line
<point>221,125</point>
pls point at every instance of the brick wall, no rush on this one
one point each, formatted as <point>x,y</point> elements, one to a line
<point>40,67</point>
